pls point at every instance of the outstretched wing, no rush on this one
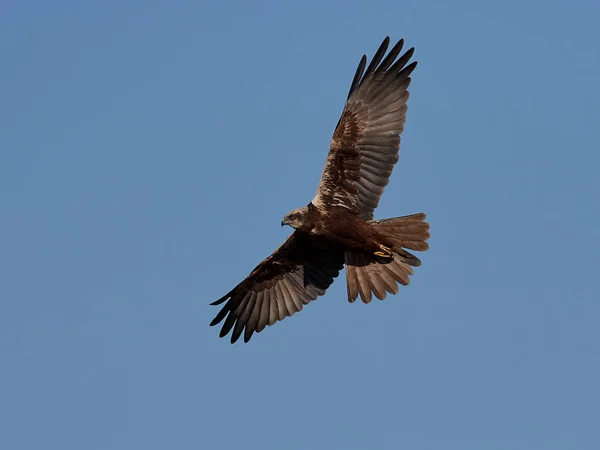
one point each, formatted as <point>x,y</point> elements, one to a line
<point>366,141</point>
<point>299,271</point>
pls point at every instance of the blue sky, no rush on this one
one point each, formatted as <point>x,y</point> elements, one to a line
<point>148,151</point>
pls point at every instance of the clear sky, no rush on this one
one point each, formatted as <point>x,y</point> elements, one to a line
<point>148,151</point>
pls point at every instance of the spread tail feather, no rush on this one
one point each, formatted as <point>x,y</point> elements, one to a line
<point>367,275</point>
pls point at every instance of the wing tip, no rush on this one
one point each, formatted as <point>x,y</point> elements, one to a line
<point>222,299</point>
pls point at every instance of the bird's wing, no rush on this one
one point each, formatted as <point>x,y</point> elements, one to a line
<point>366,141</point>
<point>299,271</point>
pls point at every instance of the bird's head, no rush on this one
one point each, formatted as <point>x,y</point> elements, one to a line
<point>295,218</point>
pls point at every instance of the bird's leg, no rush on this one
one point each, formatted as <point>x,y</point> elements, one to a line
<point>384,252</point>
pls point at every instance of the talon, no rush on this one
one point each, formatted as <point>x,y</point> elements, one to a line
<point>385,252</point>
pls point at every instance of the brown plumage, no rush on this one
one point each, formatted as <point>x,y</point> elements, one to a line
<point>337,228</point>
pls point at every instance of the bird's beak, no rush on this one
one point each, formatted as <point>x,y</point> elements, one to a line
<point>283,222</point>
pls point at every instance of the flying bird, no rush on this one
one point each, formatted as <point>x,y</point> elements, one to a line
<point>337,227</point>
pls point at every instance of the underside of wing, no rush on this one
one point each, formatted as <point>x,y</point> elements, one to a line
<point>366,141</point>
<point>298,272</point>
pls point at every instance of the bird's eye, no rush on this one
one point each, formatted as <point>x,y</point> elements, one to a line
<point>293,216</point>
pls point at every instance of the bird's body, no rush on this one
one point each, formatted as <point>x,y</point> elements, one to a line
<point>336,228</point>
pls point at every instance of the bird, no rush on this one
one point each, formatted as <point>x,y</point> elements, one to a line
<point>337,228</point>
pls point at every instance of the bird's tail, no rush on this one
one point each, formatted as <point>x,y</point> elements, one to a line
<point>367,274</point>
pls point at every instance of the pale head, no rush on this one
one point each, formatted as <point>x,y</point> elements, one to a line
<point>295,218</point>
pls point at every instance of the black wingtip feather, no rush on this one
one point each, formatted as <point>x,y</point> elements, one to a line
<point>220,316</point>
<point>408,70</point>
<point>248,335</point>
<point>378,55</point>
<point>358,75</point>
<point>401,62</point>
<point>387,65</point>
<point>229,322</point>
<point>222,299</point>
<point>391,56</point>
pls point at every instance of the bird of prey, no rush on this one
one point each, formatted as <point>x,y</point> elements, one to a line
<point>337,227</point>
